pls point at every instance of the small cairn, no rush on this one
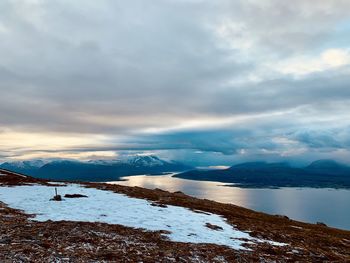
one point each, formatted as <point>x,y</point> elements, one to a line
<point>57,197</point>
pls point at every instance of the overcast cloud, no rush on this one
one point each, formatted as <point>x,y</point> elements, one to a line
<point>211,81</point>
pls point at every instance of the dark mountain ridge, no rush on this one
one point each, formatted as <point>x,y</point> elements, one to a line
<point>321,173</point>
<point>329,167</point>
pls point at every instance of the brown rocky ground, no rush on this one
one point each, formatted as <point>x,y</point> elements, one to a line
<point>24,240</point>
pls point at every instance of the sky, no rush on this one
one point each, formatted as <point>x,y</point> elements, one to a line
<point>200,81</point>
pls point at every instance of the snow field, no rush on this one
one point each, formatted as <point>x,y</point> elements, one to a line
<point>183,224</point>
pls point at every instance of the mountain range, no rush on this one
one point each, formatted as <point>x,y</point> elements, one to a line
<point>321,173</point>
<point>95,170</point>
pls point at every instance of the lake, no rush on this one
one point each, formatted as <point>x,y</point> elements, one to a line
<point>330,206</point>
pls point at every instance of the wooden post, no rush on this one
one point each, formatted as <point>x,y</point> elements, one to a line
<point>57,197</point>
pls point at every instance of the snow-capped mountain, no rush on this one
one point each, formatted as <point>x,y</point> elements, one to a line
<point>26,164</point>
<point>135,160</point>
<point>146,161</point>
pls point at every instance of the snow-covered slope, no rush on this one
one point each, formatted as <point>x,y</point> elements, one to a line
<point>183,225</point>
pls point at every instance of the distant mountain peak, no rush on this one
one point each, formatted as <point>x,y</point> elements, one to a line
<point>325,164</point>
<point>141,160</point>
<point>135,160</point>
<point>260,165</point>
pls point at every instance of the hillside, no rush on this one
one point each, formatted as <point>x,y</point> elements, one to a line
<point>321,173</point>
<point>137,224</point>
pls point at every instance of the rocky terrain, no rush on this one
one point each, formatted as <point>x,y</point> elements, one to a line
<point>23,239</point>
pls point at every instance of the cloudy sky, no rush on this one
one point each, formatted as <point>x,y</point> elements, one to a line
<point>208,82</point>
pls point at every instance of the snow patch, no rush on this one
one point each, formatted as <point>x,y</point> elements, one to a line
<point>183,224</point>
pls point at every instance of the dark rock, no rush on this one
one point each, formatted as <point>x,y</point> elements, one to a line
<point>75,196</point>
<point>56,198</point>
<point>213,227</point>
<point>5,240</point>
<point>159,205</point>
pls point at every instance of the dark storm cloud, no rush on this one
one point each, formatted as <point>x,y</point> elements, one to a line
<point>327,138</point>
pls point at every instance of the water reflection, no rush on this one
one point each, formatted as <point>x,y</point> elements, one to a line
<point>209,190</point>
<point>330,206</point>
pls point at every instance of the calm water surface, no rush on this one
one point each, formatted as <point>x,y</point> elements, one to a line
<point>330,206</point>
